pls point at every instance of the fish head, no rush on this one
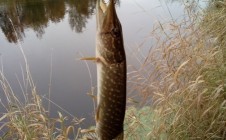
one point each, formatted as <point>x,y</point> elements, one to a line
<point>107,19</point>
<point>109,32</point>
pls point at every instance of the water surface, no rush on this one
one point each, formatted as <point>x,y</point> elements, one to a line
<point>54,34</point>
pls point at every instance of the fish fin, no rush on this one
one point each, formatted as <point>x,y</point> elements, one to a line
<point>89,58</point>
<point>103,61</point>
<point>96,59</point>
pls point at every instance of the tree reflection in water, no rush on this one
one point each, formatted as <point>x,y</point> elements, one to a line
<point>35,15</point>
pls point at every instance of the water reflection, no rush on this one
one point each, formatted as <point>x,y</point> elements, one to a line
<point>59,47</point>
<point>79,12</point>
<point>23,14</point>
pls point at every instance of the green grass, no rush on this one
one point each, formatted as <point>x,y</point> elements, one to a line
<point>137,123</point>
<point>182,91</point>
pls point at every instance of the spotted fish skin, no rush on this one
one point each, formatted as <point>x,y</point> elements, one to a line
<point>111,73</point>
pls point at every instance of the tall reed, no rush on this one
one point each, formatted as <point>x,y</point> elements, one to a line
<point>184,80</point>
<point>28,119</point>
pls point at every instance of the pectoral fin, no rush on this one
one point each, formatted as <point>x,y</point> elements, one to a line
<point>89,58</point>
<point>96,59</point>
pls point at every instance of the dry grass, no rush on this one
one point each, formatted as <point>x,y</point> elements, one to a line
<point>183,78</point>
<point>30,121</point>
<point>27,118</point>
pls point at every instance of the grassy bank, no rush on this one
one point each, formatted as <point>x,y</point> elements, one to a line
<point>185,78</point>
<point>183,91</point>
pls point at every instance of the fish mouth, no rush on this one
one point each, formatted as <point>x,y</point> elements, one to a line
<point>106,14</point>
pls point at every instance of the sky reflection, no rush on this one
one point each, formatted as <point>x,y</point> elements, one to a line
<point>56,33</point>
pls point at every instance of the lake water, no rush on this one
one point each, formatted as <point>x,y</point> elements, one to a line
<point>54,34</point>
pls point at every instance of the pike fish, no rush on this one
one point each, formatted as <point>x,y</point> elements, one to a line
<point>111,73</point>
